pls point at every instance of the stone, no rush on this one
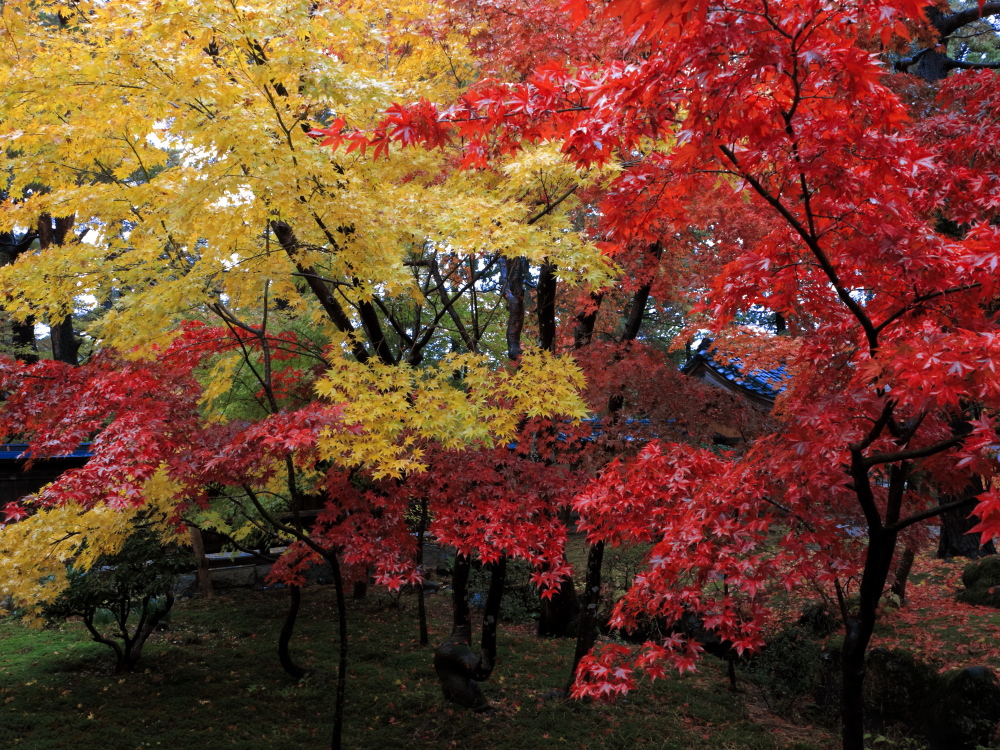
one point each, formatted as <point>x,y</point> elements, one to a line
<point>982,582</point>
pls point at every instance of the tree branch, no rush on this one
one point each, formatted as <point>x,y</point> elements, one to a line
<point>930,513</point>
<point>913,453</point>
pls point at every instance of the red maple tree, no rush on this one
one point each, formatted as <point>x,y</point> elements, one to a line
<point>782,113</point>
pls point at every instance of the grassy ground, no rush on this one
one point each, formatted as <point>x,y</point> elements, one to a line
<point>212,680</point>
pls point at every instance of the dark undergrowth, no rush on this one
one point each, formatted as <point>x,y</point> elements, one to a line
<point>212,680</point>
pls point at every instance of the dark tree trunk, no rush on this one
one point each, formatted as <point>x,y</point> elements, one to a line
<point>24,341</point>
<point>204,576</point>
<point>360,587</point>
<point>560,617</point>
<point>547,307</point>
<point>338,711</point>
<point>421,605</point>
<point>858,633</point>
<point>455,662</point>
<point>587,633</point>
<point>146,627</point>
<point>491,619</point>
<point>285,636</point>
<point>586,320</point>
<point>955,539</point>
<point>65,344</point>
<point>513,273</point>
<point>903,574</point>
<point>22,333</point>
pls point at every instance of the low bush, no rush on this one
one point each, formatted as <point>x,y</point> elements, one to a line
<point>123,597</point>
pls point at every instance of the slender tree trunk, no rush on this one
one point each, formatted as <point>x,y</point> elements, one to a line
<point>22,333</point>
<point>903,573</point>
<point>547,307</point>
<point>455,663</point>
<point>338,711</point>
<point>587,631</point>
<point>561,612</point>
<point>146,627</point>
<point>65,344</point>
<point>858,633</point>
<point>361,587</point>
<point>560,616</point>
<point>421,604</point>
<point>204,576</point>
<point>461,617</point>
<point>513,271</point>
<point>491,619</point>
<point>586,320</point>
<point>285,635</point>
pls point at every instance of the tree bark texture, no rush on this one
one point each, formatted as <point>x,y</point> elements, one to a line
<point>858,633</point>
<point>455,662</point>
<point>285,636</point>
<point>513,271</point>
<point>421,604</point>
<point>65,344</point>
<point>955,539</point>
<point>547,308</point>
<point>587,632</point>
<point>338,711</point>
<point>586,321</point>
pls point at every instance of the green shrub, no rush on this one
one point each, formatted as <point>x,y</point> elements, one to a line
<point>791,667</point>
<point>520,603</point>
<point>123,597</point>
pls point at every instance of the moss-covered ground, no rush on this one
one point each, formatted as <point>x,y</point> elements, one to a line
<point>212,680</point>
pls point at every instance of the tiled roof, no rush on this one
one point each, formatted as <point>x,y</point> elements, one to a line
<point>15,451</point>
<point>765,383</point>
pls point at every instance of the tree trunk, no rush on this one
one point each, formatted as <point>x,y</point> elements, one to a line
<point>361,587</point>
<point>204,576</point>
<point>146,627</point>
<point>285,636</point>
<point>65,344</point>
<point>902,574</point>
<point>587,632</point>
<point>858,633</point>
<point>547,308</point>
<point>338,711</point>
<point>22,333</point>
<point>491,619</point>
<point>560,617</point>
<point>421,605</point>
<point>513,273</point>
<point>955,539</point>
<point>853,676</point>
<point>586,320</point>
<point>455,662</point>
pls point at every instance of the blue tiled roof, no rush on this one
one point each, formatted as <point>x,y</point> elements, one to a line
<point>14,451</point>
<point>765,383</point>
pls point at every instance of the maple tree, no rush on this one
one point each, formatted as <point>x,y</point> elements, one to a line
<point>276,328</point>
<point>780,112</point>
<point>356,301</point>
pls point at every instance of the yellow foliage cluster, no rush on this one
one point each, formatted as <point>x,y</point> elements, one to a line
<point>415,405</point>
<point>35,551</point>
<point>176,133</point>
